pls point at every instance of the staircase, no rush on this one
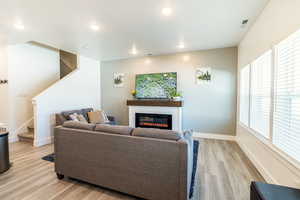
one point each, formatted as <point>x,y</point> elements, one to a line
<point>27,136</point>
<point>68,64</point>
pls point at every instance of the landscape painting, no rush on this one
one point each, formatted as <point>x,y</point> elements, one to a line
<point>158,85</point>
<point>119,79</point>
<point>203,75</point>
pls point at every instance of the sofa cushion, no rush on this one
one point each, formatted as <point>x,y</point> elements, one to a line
<point>85,111</point>
<point>122,130</point>
<point>98,117</point>
<point>81,118</point>
<point>67,114</point>
<point>156,133</point>
<point>60,119</point>
<point>74,117</point>
<point>79,125</point>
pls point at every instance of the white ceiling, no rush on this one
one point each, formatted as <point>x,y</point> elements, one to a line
<point>65,24</point>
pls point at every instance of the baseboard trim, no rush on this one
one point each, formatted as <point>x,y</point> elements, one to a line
<point>44,141</point>
<point>262,170</point>
<point>215,136</point>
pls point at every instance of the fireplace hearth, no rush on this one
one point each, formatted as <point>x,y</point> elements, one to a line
<point>147,120</point>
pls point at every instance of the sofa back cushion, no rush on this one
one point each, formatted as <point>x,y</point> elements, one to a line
<point>122,130</point>
<point>156,133</point>
<point>67,114</point>
<point>79,125</point>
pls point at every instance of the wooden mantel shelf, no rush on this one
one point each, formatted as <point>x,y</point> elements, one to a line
<point>154,102</point>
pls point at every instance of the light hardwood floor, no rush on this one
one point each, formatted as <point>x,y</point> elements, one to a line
<point>224,173</point>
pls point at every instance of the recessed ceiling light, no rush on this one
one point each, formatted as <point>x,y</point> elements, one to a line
<point>181,46</point>
<point>166,11</point>
<point>133,51</point>
<point>19,26</point>
<point>94,27</point>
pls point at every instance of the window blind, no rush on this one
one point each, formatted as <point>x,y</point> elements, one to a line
<point>286,125</point>
<point>244,95</point>
<point>260,101</point>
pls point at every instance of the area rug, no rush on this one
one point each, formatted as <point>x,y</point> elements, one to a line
<point>51,158</point>
<point>195,160</point>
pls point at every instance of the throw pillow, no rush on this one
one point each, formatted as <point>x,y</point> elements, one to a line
<point>74,117</point>
<point>81,118</point>
<point>67,114</point>
<point>188,135</point>
<point>85,111</point>
<point>98,117</point>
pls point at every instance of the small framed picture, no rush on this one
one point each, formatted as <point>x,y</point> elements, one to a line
<point>119,79</point>
<point>203,75</point>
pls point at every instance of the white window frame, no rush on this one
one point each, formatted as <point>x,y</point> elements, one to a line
<point>249,89</point>
<point>268,136</point>
<point>269,141</point>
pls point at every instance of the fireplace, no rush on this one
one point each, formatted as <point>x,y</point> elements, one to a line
<point>146,120</point>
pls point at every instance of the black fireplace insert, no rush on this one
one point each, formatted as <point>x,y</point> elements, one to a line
<point>147,120</point>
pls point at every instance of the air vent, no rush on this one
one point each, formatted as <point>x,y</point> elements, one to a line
<point>245,21</point>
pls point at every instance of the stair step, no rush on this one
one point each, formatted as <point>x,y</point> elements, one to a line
<point>30,127</point>
<point>26,137</point>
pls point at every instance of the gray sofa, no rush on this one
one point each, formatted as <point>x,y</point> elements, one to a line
<point>147,163</point>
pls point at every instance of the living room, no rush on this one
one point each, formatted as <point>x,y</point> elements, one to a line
<point>150,100</point>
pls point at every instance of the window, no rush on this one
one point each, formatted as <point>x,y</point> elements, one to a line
<point>286,125</point>
<point>260,100</point>
<point>244,95</point>
<point>274,97</point>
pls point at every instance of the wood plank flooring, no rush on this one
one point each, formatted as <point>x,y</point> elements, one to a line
<point>223,173</point>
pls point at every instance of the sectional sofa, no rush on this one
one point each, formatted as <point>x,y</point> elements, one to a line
<point>151,164</point>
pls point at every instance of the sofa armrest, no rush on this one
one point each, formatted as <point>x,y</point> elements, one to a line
<point>59,119</point>
<point>186,166</point>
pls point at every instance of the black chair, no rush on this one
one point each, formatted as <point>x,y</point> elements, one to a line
<point>4,153</point>
<point>263,191</point>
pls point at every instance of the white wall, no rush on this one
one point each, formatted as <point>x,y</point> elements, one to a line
<point>79,89</point>
<point>279,19</point>
<point>3,87</point>
<point>31,69</point>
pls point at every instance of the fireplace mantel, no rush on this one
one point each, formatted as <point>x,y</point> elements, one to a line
<point>154,102</point>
